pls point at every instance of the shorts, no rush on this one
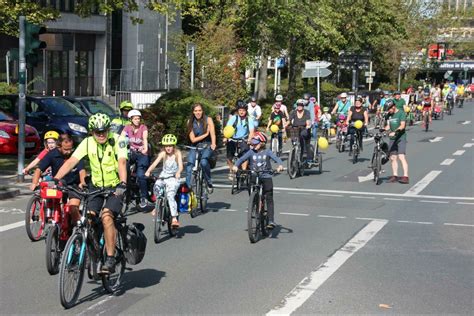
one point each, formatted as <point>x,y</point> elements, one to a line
<point>232,147</point>
<point>398,147</point>
<point>112,202</point>
<point>73,195</point>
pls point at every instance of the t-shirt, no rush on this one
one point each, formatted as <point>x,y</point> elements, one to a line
<point>296,121</point>
<point>357,116</point>
<point>242,130</point>
<point>343,107</point>
<point>400,103</point>
<point>55,160</point>
<point>426,103</point>
<point>394,122</point>
<point>260,161</point>
<point>43,153</point>
<point>283,108</point>
<point>254,111</point>
<point>135,136</point>
<point>103,158</point>
<point>277,118</point>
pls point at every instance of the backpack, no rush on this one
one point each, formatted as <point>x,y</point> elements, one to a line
<point>246,123</point>
<point>135,243</point>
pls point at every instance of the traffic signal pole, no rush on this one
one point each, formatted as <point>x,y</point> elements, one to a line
<point>21,102</point>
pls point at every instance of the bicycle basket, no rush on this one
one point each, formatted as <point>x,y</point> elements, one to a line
<point>294,132</point>
<point>135,243</point>
<point>47,192</point>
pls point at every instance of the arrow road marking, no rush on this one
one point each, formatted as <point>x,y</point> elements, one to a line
<point>368,177</point>
<point>436,139</point>
<point>468,145</point>
<point>458,152</point>
<point>466,122</point>
<point>423,183</point>
<point>447,162</point>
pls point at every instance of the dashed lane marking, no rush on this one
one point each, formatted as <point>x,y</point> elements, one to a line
<point>423,183</point>
<point>464,203</point>
<point>331,216</point>
<point>333,195</point>
<point>11,226</point>
<point>303,291</point>
<point>466,122</point>
<point>413,222</point>
<point>436,202</point>
<point>447,162</point>
<point>468,145</point>
<point>362,197</point>
<point>458,152</point>
<point>299,193</point>
<point>396,199</point>
<point>460,225</point>
<point>294,214</point>
<point>371,219</point>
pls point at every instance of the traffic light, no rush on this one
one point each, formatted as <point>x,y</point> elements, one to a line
<point>32,42</point>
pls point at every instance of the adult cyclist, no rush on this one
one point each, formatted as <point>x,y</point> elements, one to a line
<point>121,121</point>
<point>300,118</point>
<point>356,113</point>
<point>107,154</point>
<point>342,106</point>
<point>283,108</point>
<point>254,110</point>
<point>427,104</point>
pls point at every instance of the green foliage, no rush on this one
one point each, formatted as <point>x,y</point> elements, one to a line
<point>8,88</point>
<point>170,113</point>
<point>387,87</point>
<point>10,11</point>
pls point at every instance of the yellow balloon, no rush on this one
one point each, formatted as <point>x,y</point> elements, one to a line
<point>407,109</point>
<point>332,131</point>
<point>274,128</point>
<point>419,107</point>
<point>323,143</point>
<point>229,131</point>
<point>358,124</point>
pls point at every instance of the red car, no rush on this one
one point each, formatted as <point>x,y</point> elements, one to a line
<point>9,137</point>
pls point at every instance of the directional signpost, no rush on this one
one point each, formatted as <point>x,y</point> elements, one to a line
<point>316,69</point>
<point>370,76</point>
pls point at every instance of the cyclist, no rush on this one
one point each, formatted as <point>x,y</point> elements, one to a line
<point>50,142</point>
<point>317,117</point>
<point>300,119</point>
<point>309,106</point>
<point>202,133</point>
<point>399,102</point>
<point>137,135</point>
<point>356,113</point>
<point>427,105</point>
<point>283,108</point>
<point>326,118</point>
<point>255,111</point>
<point>259,159</point>
<point>460,90</point>
<point>121,121</point>
<point>277,118</point>
<point>172,168</point>
<point>244,130</point>
<point>343,105</point>
<point>365,102</point>
<point>107,154</point>
<point>398,141</point>
<point>54,160</point>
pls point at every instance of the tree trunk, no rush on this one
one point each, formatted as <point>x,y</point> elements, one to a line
<point>292,68</point>
<point>262,77</point>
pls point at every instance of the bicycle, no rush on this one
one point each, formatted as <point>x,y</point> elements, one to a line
<point>240,178</point>
<point>341,138</point>
<point>295,162</point>
<point>449,105</point>
<point>357,145</point>
<point>257,216</point>
<point>460,101</point>
<point>132,195</point>
<point>86,247</point>
<point>198,182</point>
<point>162,215</point>
<point>426,119</point>
<point>378,155</point>
<point>275,143</point>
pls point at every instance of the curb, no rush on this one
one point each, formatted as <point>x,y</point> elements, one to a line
<point>9,194</point>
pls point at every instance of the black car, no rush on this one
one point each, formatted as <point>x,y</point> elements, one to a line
<point>49,113</point>
<point>92,106</point>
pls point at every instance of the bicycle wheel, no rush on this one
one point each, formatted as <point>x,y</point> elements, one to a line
<point>300,161</point>
<point>71,272</point>
<point>111,282</point>
<point>320,163</point>
<point>377,167</point>
<point>158,219</point>
<point>355,152</point>
<point>235,182</point>
<point>53,250</point>
<point>427,122</point>
<point>253,219</point>
<point>34,220</point>
<point>274,146</point>
<point>292,164</point>
<point>203,194</point>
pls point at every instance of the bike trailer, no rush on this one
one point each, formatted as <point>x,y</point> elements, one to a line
<point>135,243</point>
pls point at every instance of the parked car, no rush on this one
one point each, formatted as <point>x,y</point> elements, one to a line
<point>9,137</point>
<point>91,106</point>
<point>49,113</point>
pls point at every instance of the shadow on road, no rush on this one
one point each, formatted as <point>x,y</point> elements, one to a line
<point>280,229</point>
<point>216,206</point>
<point>142,278</point>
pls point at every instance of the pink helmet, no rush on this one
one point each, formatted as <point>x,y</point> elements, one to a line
<point>342,117</point>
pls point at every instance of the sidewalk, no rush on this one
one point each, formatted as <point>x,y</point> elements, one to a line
<point>9,187</point>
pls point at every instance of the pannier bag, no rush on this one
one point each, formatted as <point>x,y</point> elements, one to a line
<point>135,243</point>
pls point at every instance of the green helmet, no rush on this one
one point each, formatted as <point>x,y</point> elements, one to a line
<point>126,105</point>
<point>325,109</point>
<point>169,139</point>
<point>99,122</point>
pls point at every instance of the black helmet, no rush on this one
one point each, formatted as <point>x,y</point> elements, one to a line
<point>396,92</point>
<point>389,104</point>
<point>358,98</point>
<point>240,104</point>
<point>306,96</point>
<point>253,98</point>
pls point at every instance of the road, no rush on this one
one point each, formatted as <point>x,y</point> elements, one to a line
<point>343,245</point>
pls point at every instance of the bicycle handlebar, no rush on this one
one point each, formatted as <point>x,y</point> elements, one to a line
<point>196,147</point>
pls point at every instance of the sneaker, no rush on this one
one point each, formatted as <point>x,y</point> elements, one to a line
<point>210,188</point>
<point>403,180</point>
<point>231,176</point>
<point>271,225</point>
<point>143,203</point>
<point>109,266</point>
<point>393,179</point>
<point>175,223</point>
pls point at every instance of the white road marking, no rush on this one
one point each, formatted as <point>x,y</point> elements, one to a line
<point>227,210</point>
<point>367,139</point>
<point>368,177</point>
<point>92,307</point>
<point>462,225</point>
<point>464,203</point>
<point>468,145</point>
<point>303,291</point>
<point>362,197</point>
<point>395,199</point>
<point>458,152</point>
<point>295,214</point>
<point>299,193</point>
<point>447,162</point>
<point>437,202</point>
<point>423,183</point>
<point>412,222</point>
<point>331,216</point>
<point>372,219</point>
<point>11,226</point>
<point>436,139</point>
<point>333,195</point>
<point>338,192</point>
<point>220,168</point>
<point>466,122</point>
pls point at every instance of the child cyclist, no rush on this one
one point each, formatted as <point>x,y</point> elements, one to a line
<point>326,118</point>
<point>50,143</point>
<point>259,159</point>
<point>171,173</point>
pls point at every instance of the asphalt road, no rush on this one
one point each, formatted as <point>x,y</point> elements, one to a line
<point>343,245</point>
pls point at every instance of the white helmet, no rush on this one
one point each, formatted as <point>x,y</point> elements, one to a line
<point>279,98</point>
<point>343,95</point>
<point>133,113</point>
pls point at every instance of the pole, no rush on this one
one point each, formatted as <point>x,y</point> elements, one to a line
<point>7,61</point>
<point>318,81</point>
<point>257,74</point>
<point>142,63</point>
<point>399,77</point>
<point>159,56</point>
<point>276,75</point>
<point>370,73</point>
<point>192,67</point>
<point>279,80</point>
<point>21,102</point>
<point>166,54</point>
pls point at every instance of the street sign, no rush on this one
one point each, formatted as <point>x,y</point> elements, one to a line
<point>369,80</point>
<point>313,73</point>
<point>316,64</point>
<point>370,73</point>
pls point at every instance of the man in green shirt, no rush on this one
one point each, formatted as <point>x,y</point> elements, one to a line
<point>398,141</point>
<point>107,153</point>
<point>121,121</point>
<point>399,102</point>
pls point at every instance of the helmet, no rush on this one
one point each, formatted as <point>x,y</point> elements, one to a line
<point>51,134</point>
<point>240,104</point>
<point>274,128</point>
<point>258,138</point>
<point>300,102</point>
<point>389,104</point>
<point>323,143</point>
<point>169,139</point>
<point>325,109</point>
<point>343,95</point>
<point>99,122</point>
<point>426,94</point>
<point>420,87</point>
<point>279,98</point>
<point>126,105</point>
<point>358,98</point>
<point>306,96</point>
<point>229,131</point>
<point>396,92</point>
<point>341,117</point>
<point>253,99</point>
<point>358,124</point>
<point>133,113</point>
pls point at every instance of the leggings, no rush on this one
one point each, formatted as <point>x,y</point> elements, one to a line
<point>172,185</point>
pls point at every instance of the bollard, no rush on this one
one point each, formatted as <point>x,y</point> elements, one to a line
<point>44,92</point>
<point>54,93</point>
<point>64,93</point>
